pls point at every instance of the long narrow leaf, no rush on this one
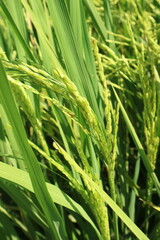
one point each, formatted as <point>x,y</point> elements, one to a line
<point>8,103</point>
<point>17,32</point>
<point>22,178</point>
<point>139,145</point>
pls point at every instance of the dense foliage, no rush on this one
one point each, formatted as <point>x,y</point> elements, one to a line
<point>79,119</point>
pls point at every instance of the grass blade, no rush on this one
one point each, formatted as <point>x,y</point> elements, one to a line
<point>139,146</point>
<point>17,32</point>
<point>8,103</point>
<point>22,178</point>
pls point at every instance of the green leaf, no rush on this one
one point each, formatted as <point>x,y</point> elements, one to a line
<point>20,177</point>
<point>139,145</point>
<point>16,30</point>
<point>8,103</point>
<point>131,225</point>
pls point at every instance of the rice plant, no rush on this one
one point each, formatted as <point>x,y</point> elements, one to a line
<point>79,119</point>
